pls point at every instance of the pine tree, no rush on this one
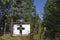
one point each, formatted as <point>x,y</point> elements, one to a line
<point>52,17</point>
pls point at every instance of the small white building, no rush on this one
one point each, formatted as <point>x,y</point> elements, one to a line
<point>21,28</point>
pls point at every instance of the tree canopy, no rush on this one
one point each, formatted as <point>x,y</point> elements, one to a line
<point>52,17</point>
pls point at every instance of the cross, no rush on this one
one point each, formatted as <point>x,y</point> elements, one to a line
<point>21,28</point>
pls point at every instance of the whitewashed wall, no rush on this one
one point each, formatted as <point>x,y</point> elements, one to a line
<point>15,31</point>
<point>26,31</point>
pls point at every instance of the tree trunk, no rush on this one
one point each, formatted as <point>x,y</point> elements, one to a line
<point>11,25</point>
<point>5,28</point>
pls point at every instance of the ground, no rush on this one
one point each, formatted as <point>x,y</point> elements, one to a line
<point>9,37</point>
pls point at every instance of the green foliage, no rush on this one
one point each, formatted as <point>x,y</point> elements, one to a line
<point>52,17</point>
<point>21,8</point>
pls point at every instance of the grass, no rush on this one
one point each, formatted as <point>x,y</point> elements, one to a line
<point>9,37</point>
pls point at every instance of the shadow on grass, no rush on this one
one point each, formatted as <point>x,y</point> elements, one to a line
<point>1,33</point>
<point>2,39</point>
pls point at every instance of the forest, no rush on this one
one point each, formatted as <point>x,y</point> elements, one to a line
<point>11,11</point>
<point>46,29</point>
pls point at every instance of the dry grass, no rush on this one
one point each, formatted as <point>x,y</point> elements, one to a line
<point>9,37</point>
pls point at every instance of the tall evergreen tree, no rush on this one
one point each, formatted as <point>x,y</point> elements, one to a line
<point>52,17</point>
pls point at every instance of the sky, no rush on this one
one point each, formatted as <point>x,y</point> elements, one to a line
<point>40,4</point>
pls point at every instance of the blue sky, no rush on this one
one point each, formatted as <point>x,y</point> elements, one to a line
<point>40,4</point>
